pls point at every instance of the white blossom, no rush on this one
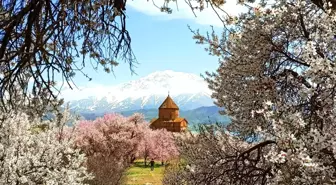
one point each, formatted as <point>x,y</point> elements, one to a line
<point>34,152</point>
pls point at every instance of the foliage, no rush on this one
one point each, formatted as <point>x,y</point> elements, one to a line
<point>212,156</point>
<point>165,148</point>
<point>113,142</point>
<point>276,80</point>
<point>158,145</point>
<point>147,145</point>
<point>31,153</point>
<point>110,143</point>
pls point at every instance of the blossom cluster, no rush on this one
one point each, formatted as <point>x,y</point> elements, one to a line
<point>31,152</point>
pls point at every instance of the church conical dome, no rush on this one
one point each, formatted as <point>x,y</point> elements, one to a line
<point>169,117</point>
<point>168,103</point>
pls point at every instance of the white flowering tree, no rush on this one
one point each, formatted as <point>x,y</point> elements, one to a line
<point>35,152</point>
<point>277,81</point>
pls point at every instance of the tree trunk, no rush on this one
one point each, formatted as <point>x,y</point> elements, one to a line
<point>132,159</point>
<point>145,161</point>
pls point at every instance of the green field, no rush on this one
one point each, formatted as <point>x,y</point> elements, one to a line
<point>138,173</point>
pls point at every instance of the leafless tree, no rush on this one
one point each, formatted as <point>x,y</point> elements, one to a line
<point>42,39</point>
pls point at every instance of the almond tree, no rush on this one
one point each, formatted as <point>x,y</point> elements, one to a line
<point>276,80</point>
<point>111,144</point>
<point>158,145</point>
<point>164,146</point>
<point>32,153</point>
<point>208,157</point>
<point>147,145</point>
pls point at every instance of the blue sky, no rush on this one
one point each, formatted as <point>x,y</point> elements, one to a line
<point>160,42</point>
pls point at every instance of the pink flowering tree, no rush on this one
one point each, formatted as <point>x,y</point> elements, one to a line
<point>111,144</point>
<point>158,145</point>
<point>147,145</point>
<point>164,145</point>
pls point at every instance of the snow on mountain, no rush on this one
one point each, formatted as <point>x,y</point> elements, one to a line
<point>189,91</point>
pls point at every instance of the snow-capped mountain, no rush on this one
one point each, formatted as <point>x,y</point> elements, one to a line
<point>189,91</point>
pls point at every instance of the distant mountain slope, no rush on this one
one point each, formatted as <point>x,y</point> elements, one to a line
<point>189,91</point>
<point>195,116</point>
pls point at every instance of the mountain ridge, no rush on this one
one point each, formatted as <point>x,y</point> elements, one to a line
<point>189,91</point>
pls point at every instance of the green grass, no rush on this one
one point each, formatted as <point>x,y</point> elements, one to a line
<point>140,174</point>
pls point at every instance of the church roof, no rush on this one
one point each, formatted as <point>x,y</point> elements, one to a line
<point>179,119</point>
<point>168,104</point>
<point>175,120</point>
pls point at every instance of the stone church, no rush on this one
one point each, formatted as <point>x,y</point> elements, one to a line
<point>169,117</point>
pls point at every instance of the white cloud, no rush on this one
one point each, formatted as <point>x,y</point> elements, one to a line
<point>206,17</point>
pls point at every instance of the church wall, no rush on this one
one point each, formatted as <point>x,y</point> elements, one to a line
<point>184,124</point>
<point>168,114</point>
<point>170,126</point>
